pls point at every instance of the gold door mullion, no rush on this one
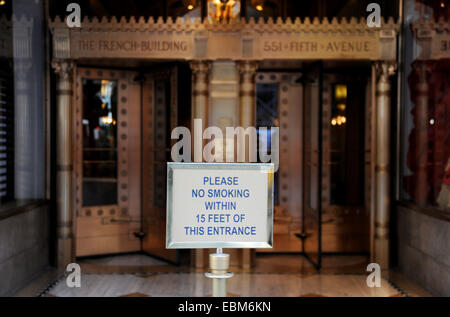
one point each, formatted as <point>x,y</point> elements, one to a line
<point>159,113</point>
<point>326,140</point>
<point>147,151</point>
<point>283,113</point>
<point>122,144</point>
<point>78,163</point>
<point>160,136</point>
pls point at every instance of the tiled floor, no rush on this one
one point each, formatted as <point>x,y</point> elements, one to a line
<point>273,275</point>
<point>242,284</point>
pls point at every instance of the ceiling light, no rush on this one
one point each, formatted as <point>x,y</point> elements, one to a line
<point>340,91</point>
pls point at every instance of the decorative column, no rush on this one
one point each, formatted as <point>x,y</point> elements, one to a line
<point>200,105</point>
<point>247,94</point>
<point>200,72</point>
<point>247,118</point>
<point>64,163</point>
<point>421,130</point>
<point>382,157</point>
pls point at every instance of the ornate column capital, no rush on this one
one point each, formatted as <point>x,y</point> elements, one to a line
<point>385,69</point>
<point>200,67</point>
<point>63,68</point>
<point>247,67</point>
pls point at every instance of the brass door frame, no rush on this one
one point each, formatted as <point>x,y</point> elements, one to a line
<point>288,212</point>
<point>110,228</point>
<point>153,118</point>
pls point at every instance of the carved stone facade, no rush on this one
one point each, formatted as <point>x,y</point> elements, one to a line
<point>252,40</point>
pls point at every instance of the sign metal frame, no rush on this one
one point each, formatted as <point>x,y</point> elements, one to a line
<point>262,167</point>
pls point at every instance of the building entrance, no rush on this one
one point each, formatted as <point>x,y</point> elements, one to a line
<point>123,120</point>
<point>123,123</point>
<point>323,187</point>
<point>223,95</point>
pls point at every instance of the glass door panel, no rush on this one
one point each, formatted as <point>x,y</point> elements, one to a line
<point>312,167</point>
<point>159,117</point>
<point>99,121</point>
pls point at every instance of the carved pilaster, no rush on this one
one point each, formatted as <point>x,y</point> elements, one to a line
<point>382,146</point>
<point>200,71</point>
<point>200,92</point>
<point>247,93</point>
<point>64,162</point>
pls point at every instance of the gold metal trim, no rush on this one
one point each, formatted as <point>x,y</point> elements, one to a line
<point>384,168</point>
<point>200,93</point>
<point>383,93</point>
<point>382,236</point>
<point>382,224</point>
<point>247,93</point>
<point>64,92</point>
<point>62,167</point>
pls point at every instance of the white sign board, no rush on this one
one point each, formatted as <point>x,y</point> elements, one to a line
<point>219,205</point>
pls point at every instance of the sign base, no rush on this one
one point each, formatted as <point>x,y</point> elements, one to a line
<point>219,264</point>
